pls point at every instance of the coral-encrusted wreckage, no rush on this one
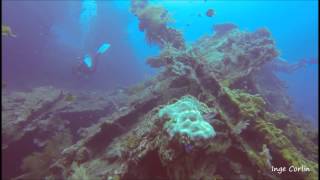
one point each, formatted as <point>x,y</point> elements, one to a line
<point>213,112</point>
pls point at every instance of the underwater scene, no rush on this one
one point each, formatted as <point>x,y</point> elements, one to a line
<point>159,90</point>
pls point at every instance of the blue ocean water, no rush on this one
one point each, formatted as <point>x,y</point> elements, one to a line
<point>53,35</point>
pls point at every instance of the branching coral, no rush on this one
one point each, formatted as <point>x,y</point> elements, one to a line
<point>240,126</point>
<point>265,153</point>
<point>79,173</point>
<point>88,171</point>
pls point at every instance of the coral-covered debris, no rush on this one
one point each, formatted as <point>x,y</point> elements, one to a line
<point>154,22</point>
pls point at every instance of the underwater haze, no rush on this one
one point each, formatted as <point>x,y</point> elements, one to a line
<point>89,84</point>
<point>49,43</point>
<point>51,36</point>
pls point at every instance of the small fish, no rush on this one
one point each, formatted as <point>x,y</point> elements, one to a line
<point>210,12</point>
<point>70,98</point>
<point>39,143</point>
<point>188,148</point>
<point>6,31</point>
<point>141,26</point>
<point>164,14</point>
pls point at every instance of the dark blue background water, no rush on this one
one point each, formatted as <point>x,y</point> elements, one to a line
<point>51,37</point>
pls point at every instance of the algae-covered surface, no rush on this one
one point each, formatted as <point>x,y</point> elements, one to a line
<point>215,111</point>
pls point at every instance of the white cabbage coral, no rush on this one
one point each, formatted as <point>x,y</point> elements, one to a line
<point>186,119</point>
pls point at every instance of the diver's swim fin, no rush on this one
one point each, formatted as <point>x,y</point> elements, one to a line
<point>103,48</point>
<point>87,61</point>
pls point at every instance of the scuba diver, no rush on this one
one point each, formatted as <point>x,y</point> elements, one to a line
<point>88,65</point>
<point>281,65</point>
